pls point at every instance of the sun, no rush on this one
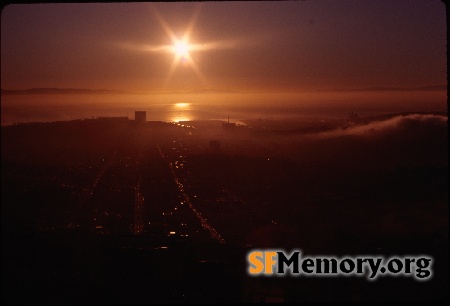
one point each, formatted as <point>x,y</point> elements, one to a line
<point>181,49</point>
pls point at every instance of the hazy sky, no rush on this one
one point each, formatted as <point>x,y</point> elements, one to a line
<point>252,46</point>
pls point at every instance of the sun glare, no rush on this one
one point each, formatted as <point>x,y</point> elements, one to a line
<point>181,49</point>
<point>181,105</point>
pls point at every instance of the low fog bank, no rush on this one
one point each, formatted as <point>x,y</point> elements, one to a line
<point>384,142</point>
<point>416,124</point>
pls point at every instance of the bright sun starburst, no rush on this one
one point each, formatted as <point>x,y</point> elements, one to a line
<point>181,46</point>
<point>181,49</point>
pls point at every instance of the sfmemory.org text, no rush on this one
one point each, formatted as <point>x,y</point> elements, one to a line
<point>277,262</point>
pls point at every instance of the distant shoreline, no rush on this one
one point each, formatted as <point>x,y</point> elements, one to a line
<point>218,91</point>
<point>364,119</point>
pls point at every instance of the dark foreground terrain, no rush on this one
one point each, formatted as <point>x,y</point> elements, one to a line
<point>111,211</point>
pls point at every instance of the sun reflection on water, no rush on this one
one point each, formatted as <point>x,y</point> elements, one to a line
<point>182,105</point>
<point>181,112</point>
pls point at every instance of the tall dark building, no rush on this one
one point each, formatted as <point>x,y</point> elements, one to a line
<point>140,116</point>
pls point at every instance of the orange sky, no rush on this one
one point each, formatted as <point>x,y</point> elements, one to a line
<point>238,46</point>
